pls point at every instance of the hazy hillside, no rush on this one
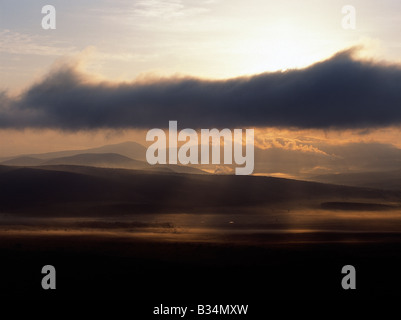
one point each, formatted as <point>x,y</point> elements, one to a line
<point>94,158</point>
<point>129,149</point>
<point>70,190</point>
<point>112,160</point>
<point>24,161</point>
<point>389,180</point>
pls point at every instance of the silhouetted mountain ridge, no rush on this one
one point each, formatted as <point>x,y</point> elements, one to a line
<point>389,180</point>
<point>98,160</point>
<point>93,157</point>
<point>77,190</point>
<point>129,149</point>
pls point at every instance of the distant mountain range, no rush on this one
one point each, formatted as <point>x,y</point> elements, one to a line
<point>127,155</point>
<point>83,159</point>
<point>129,149</point>
<point>24,161</point>
<point>132,155</point>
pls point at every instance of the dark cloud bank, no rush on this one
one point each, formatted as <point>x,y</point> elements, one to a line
<point>341,92</point>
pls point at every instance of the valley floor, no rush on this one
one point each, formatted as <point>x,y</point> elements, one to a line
<point>161,261</point>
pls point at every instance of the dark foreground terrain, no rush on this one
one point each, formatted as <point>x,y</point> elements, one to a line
<point>265,267</point>
<point>120,234</point>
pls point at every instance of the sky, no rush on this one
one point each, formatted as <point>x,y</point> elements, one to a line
<point>202,38</point>
<point>113,69</point>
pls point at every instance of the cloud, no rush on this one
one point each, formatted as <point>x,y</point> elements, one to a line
<point>288,144</point>
<point>165,9</point>
<point>145,14</point>
<point>341,92</point>
<point>25,44</point>
<point>345,158</point>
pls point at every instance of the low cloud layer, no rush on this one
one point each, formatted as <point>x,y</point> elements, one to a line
<point>323,158</point>
<point>341,92</point>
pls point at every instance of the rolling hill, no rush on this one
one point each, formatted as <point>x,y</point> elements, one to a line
<point>108,160</point>
<point>77,190</point>
<point>93,158</point>
<point>24,161</point>
<point>129,149</point>
<point>388,180</point>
